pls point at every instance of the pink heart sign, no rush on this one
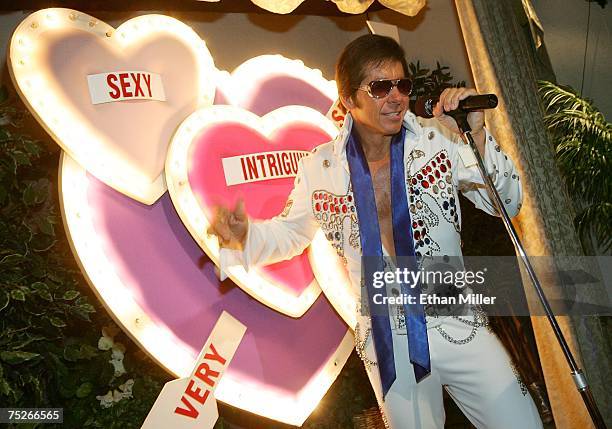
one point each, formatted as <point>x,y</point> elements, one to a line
<point>111,98</point>
<point>224,153</point>
<point>267,82</point>
<point>149,273</point>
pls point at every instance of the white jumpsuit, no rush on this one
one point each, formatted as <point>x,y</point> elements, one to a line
<point>466,358</point>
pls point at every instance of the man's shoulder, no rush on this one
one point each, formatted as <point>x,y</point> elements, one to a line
<point>432,125</point>
<point>323,151</point>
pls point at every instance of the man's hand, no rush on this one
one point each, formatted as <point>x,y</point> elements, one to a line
<point>230,226</point>
<point>449,100</point>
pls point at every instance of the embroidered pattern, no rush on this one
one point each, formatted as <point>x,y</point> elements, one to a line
<point>287,208</point>
<point>330,211</point>
<point>360,347</point>
<point>397,315</point>
<point>480,320</point>
<point>384,417</point>
<point>432,184</point>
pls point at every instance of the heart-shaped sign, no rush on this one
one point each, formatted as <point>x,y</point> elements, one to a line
<point>224,153</point>
<point>153,278</point>
<point>268,82</point>
<point>112,98</point>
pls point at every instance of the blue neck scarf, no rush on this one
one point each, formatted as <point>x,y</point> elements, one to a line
<point>371,245</point>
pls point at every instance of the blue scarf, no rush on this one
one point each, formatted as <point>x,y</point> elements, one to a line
<point>371,246</point>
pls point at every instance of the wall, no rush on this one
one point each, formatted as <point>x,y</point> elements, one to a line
<point>234,38</point>
<point>565,32</point>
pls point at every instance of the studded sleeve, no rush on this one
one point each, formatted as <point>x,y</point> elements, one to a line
<point>503,172</point>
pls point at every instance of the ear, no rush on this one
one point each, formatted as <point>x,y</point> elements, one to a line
<point>347,102</point>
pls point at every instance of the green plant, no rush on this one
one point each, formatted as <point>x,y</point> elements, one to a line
<point>583,144</point>
<point>49,323</point>
<point>430,82</point>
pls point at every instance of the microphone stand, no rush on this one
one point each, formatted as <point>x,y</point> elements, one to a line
<point>460,117</point>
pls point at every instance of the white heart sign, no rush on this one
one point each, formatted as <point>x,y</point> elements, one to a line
<point>155,71</point>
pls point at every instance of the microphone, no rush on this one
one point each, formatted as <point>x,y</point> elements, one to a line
<point>423,106</point>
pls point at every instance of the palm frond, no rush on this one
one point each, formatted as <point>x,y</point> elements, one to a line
<point>567,111</point>
<point>595,219</point>
<point>583,145</point>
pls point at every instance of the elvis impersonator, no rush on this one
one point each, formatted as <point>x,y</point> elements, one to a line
<point>399,176</point>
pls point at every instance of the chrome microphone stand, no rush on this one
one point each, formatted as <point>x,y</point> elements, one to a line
<point>580,380</point>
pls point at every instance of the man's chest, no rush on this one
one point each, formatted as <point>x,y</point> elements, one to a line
<point>432,201</point>
<point>381,184</point>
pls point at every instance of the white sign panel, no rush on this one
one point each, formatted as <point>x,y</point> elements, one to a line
<point>125,85</point>
<point>384,29</point>
<point>255,167</point>
<point>189,403</point>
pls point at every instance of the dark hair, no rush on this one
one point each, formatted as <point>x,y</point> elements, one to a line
<point>367,51</point>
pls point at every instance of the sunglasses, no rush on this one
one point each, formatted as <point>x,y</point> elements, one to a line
<point>381,88</point>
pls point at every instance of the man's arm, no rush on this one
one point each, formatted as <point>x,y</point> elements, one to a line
<point>503,173</point>
<point>497,163</point>
<point>252,243</point>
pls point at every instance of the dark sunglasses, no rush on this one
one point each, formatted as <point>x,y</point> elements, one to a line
<point>381,88</point>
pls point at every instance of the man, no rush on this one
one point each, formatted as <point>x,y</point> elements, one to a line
<point>398,181</point>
